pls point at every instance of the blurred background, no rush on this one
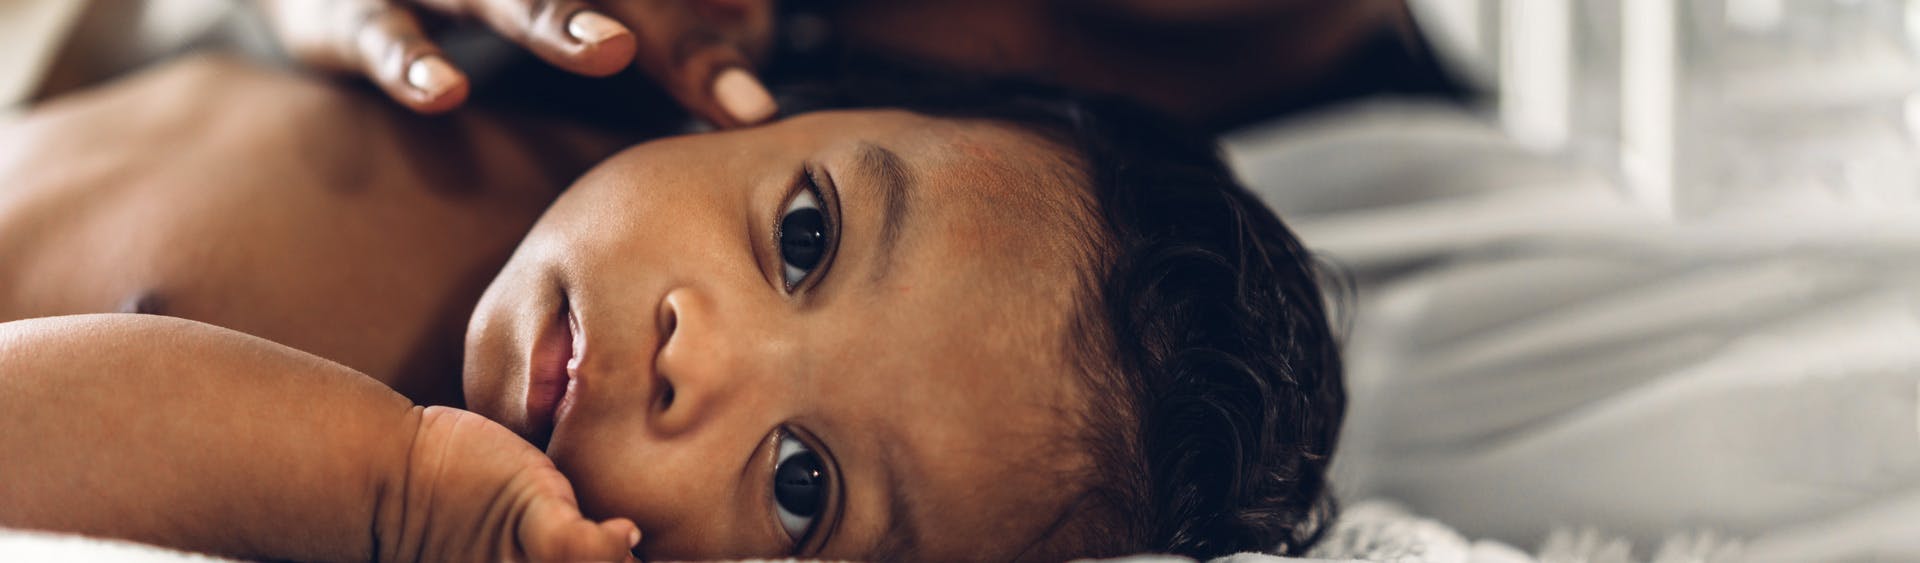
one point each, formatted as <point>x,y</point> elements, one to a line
<point>1704,105</point>
<point>1655,295</point>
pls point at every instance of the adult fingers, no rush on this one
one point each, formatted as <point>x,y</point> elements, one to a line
<point>697,51</point>
<point>373,38</point>
<point>569,34</point>
<point>385,42</point>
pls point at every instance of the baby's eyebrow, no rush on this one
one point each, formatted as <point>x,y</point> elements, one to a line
<point>895,191</point>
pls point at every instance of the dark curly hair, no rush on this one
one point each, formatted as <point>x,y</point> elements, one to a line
<point>1203,332</point>
<point>1211,319</point>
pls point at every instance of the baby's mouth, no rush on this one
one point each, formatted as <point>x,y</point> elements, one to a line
<point>549,379</point>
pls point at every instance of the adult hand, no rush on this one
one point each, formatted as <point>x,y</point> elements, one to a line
<point>474,491</point>
<point>700,51</point>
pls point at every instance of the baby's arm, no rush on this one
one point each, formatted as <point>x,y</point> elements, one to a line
<point>182,434</point>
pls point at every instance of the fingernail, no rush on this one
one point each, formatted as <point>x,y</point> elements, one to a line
<point>591,27</point>
<point>742,96</point>
<point>431,75</point>
<point>633,539</point>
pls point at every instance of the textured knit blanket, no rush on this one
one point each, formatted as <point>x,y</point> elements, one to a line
<point>1366,531</point>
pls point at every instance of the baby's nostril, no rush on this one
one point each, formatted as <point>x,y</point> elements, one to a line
<point>666,396</point>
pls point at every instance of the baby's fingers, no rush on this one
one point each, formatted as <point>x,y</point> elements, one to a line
<point>554,530</point>
<point>566,33</point>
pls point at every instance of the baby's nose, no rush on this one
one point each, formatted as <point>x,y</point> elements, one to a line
<point>708,361</point>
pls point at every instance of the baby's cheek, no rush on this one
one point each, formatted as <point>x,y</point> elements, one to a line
<point>677,496</point>
<point>606,478</point>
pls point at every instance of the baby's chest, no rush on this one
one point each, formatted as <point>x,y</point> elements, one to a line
<point>294,210</point>
<point>379,275</point>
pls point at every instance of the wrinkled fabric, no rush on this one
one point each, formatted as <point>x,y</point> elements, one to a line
<point>1530,352</point>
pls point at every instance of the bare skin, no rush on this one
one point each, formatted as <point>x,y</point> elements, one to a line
<point>695,348</point>
<point>936,365</point>
<point>183,434</point>
<point>1208,62</point>
<point>1202,61</point>
<point>279,206</point>
<point>928,374</point>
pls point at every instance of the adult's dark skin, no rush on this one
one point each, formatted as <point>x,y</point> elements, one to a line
<point>1212,63</point>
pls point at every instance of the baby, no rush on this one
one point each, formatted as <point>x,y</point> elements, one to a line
<point>979,322</point>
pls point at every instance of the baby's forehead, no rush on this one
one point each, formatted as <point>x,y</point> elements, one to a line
<point>1024,202</point>
<point>1001,173</point>
<point>1014,168</point>
<point>963,138</point>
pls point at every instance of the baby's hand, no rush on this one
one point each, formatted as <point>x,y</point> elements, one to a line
<point>698,50</point>
<point>474,491</point>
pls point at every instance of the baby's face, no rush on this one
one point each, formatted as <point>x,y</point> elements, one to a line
<point>841,335</point>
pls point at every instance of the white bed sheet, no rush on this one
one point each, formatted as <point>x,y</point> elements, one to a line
<point>1528,352</point>
<point>1372,531</point>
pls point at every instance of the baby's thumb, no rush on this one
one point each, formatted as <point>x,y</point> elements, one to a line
<point>623,530</point>
<point>554,530</point>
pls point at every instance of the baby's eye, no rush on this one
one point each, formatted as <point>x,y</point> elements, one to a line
<point>799,487</point>
<point>803,237</point>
